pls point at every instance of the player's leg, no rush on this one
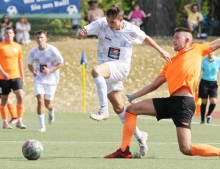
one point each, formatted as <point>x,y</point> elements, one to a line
<point>5,90</point>
<point>145,107</point>
<point>213,92</point>
<point>99,74</point>
<point>4,114</point>
<point>20,108</point>
<point>39,91</point>
<point>12,111</point>
<point>185,146</point>
<point>17,87</point>
<point>49,96</point>
<point>119,108</point>
<point>203,94</point>
<point>40,112</point>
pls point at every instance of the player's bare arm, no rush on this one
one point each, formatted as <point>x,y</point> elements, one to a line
<point>34,72</point>
<point>214,45</point>
<point>164,54</point>
<point>20,63</point>
<point>52,69</point>
<point>82,34</point>
<point>4,74</point>
<point>148,89</point>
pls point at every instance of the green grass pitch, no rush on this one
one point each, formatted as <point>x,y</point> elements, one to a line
<point>75,141</point>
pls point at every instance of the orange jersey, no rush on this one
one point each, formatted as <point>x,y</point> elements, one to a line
<point>10,53</point>
<point>185,67</point>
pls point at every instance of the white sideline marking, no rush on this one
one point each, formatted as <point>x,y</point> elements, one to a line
<point>100,142</point>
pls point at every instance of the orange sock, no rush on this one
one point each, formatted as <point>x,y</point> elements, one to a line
<point>20,111</point>
<point>4,114</point>
<point>11,109</point>
<point>204,150</point>
<point>128,130</point>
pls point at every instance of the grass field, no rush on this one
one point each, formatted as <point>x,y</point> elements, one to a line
<point>75,141</point>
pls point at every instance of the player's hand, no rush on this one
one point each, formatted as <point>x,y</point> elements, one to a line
<point>130,98</point>
<point>166,56</point>
<point>35,73</point>
<point>46,70</point>
<point>82,33</point>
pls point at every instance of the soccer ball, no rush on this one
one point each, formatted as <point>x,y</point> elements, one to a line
<point>12,10</point>
<point>32,149</point>
<point>72,9</point>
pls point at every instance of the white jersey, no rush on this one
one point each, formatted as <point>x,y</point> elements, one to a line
<point>117,44</point>
<point>49,57</point>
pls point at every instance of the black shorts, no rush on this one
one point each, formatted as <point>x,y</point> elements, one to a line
<point>8,85</point>
<point>208,89</point>
<point>179,108</point>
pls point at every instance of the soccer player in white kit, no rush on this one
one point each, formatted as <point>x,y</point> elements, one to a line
<point>116,38</point>
<point>48,60</point>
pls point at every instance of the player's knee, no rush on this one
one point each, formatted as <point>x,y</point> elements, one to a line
<point>95,71</point>
<point>130,109</point>
<point>40,102</point>
<point>118,109</point>
<point>185,150</point>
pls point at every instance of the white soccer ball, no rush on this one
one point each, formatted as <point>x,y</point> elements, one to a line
<point>32,149</point>
<point>72,9</point>
<point>12,10</point>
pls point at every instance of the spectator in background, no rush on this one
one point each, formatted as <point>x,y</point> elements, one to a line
<point>23,28</point>
<point>194,17</point>
<point>5,23</point>
<point>137,16</point>
<point>208,86</point>
<point>95,12</point>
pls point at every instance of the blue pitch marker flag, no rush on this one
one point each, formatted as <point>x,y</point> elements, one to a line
<point>83,59</point>
<point>84,63</point>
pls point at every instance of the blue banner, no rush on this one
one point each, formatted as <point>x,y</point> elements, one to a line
<point>13,7</point>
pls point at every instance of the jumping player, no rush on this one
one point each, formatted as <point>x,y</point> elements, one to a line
<point>116,38</point>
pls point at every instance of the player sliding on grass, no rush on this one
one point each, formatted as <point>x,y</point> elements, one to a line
<point>182,76</point>
<point>116,38</point>
<point>46,74</point>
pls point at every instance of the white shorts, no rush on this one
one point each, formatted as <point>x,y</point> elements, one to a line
<point>47,90</point>
<point>118,72</point>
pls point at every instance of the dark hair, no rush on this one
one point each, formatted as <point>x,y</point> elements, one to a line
<point>90,3</point>
<point>193,6</point>
<point>115,11</point>
<point>8,19</point>
<point>182,29</point>
<point>39,32</point>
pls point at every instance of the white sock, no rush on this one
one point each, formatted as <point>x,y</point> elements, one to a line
<point>122,115</point>
<point>41,120</point>
<point>19,119</point>
<point>101,88</point>
<point>137,132</point>
<point>51,112</point>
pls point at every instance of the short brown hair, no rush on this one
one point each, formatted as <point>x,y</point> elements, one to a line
<point>115,11</point>
<point>41,32</point>
<point>182,29</point>
<point>8,28</point>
